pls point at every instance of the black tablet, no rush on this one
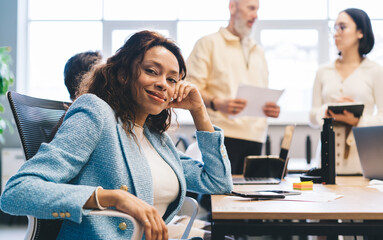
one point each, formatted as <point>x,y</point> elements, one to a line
<point>356,109</point>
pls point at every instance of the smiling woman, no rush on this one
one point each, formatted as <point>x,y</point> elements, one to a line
<point>117,128</point>
<point>157,82</point>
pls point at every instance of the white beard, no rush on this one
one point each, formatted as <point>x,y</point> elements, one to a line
<point>241,28</point>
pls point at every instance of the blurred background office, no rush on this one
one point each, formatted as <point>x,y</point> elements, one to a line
<point>296,36</point>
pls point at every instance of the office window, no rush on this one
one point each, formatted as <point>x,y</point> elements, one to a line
<point>293,9</point>
<point>119,37</point>
<point>134,10</point>
<point>210,10</point>
<point>296,40</point>
<point>190,31</point>
<point>377,52</point>
<point>48,54</point>
<point>65,9</point>
<point>370,6</point>
<point>293,59</point>
<point>56,30</point>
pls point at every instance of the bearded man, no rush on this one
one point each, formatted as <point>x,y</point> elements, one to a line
<point>218,65</point>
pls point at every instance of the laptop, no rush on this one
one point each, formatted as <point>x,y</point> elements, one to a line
<point>369,142</point>
<point>266,169</point>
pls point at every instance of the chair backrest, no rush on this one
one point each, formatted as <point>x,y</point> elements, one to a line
<point>37,121</point>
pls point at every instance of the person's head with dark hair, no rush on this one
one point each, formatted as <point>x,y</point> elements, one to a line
<point>354,23</point>
<point>125,80</point>
<point>76,67</point>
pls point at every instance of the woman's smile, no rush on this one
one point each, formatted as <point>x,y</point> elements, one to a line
<point>159,97</point>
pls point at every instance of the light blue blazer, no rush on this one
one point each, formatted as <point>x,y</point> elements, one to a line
<point>91,149</point>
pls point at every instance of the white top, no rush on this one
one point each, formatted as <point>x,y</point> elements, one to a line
<point>364,85</point>
<point>246,44</point>
<point>218,65</point>
<point>165,183</point>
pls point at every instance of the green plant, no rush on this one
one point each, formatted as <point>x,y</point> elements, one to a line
<point>6,79</point>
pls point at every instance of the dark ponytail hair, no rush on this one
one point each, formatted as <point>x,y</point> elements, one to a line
<point>363,23</point>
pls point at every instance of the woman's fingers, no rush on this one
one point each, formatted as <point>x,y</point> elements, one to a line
<point>175,94</point>
<point>187,97</point>
<point>182,91</point>
<point>155,227</point>
<point>147,215</point>
<point>148,229</point>
<point>165,234</point>
<point>160,226</point>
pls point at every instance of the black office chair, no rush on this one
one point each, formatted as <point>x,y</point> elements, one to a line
<point>37,121</point>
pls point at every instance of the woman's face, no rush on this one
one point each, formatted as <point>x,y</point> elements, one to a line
<point>157,81</point>
<point>346,35</point>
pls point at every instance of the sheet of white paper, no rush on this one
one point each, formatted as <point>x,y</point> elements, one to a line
<point>377,184</point>
<point>378,187</point>
<point>311,196</point>
<point>256,98</point>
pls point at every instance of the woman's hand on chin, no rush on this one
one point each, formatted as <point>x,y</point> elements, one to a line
<point>186,96</point>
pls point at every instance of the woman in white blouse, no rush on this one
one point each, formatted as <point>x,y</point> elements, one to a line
<point>351,78</point>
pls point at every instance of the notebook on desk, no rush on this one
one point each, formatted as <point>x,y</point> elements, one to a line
<point>267,169</point>
<point>369,142</point>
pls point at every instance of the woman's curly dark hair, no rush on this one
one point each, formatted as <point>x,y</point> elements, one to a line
<point>114,81</point>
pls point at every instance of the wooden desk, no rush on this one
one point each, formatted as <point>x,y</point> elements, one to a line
<point>230,216</point>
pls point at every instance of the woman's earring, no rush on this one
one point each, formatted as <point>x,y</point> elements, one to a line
<point>171,99</point>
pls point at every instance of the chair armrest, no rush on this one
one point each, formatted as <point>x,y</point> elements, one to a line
<point>138,228</point>
<point>190,208</point>
<point>32,222</point>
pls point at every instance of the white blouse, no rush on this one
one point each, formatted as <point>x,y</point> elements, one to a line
<point>364,85</point>
<point>165,183</point>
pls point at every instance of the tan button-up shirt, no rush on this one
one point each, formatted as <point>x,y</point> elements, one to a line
<point>219,66</point>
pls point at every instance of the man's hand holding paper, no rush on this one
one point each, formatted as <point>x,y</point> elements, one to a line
<point>271,109</point>
<point>230,106</point>
<point>261,102</point>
